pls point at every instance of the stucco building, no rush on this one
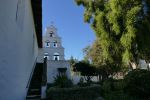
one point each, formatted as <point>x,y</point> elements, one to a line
<point>20,38</point>
<point>54,52</point>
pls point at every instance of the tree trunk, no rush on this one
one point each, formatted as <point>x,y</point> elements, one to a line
<point>133,65</point>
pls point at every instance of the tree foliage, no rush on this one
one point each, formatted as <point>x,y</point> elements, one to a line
<point>72,62</point>
<point>122,28</point>
<point>104,68</point>
<point>86,70</point>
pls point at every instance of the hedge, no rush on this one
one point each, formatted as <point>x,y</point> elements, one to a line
<point>76,93</point>
<point>137,83</point>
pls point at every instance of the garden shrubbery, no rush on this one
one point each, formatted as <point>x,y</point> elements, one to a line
<point>137,83</point>
<point>63,89</point>
<point>135,86</point>
<point>75,93</point>
<point>81,83</point>
<point>113,90</point>
<point>62,81</point>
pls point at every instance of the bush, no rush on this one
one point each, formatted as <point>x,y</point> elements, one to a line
<point>50,85</point>
<point>82,83</point>
<point>62,81</point>
<point>113,90</point>
<point>106,86</point>
<point>137,83</point>
<point>110,85</point>
<point>76,93</point>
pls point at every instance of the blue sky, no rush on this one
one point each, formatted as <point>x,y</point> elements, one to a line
<point>68,19</point>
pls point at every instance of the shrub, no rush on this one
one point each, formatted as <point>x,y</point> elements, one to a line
<point>62,81</point>
<point>82,83</point>
<point>50,85</point>
<point>118,84</point>
<point>113,90</point>
<point>109,85</point>
<point>137,83</point>
<point>106,87</point>
<point>76,93</point>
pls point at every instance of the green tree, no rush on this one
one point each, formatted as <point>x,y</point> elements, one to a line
<point>104,67</point>
<point>73,61</point>
<point>86,70</point>
<point>123,28</point>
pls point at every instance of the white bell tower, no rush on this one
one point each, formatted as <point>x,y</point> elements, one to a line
<point>54,52</point>
<point>52,44</point>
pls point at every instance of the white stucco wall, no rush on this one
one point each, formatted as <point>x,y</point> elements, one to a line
<point>76,79</point>
<point>50,52</point>
<point>40,57</point>
<point>52,71</point>
<point>18,48</point>
<point>142,64</point>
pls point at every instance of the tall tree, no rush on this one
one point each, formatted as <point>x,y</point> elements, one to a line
<point>103,67</point>
<point>73,61</point>
<point>122,26</point>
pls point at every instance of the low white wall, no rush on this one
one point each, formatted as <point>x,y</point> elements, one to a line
<point>142,64</point>
<point>76,79</point>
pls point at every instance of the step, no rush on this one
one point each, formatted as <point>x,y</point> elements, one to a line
<point>34,89</point>
<point>37,75</point>
<point>34,93</point>
<point>36,78</point>
<point>33,97</point>
<point>35,83</point>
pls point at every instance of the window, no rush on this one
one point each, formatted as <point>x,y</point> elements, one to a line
<point>51,34</point>
<point>56,56</point>
<point>46,56</point>
<point>47,44</point>
<point>62,71</point>
<point>55,44</point>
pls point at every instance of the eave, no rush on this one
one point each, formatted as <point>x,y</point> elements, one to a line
<point>37,15</point>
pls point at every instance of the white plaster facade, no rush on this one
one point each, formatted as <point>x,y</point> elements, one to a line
<point>18,48</point>
<point>143,64</point>
<point>52,70</point>
<point>54,51</point>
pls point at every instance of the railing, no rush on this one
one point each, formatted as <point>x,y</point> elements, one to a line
<point>44,76</point>
<point>44,80</point>
<point>31,74</point>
